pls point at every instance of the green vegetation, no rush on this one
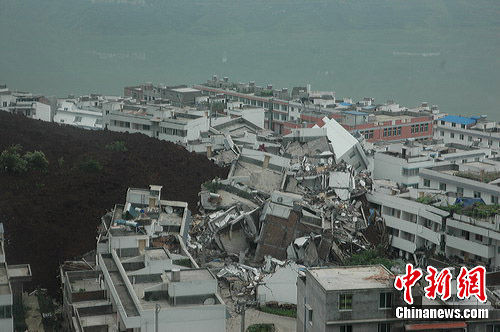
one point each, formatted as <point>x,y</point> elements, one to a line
<point>261,328</point>
<point>117,146</point>
<point>425,199</point>
<point>12,162</point>
<point>275,309</point>
<point>477,210</point>
<point>485,177</point>
<point>370,257</point>
<point>265,93</point>
<point>60,161</point>
<point>37,160</point>
<point>90,165</point>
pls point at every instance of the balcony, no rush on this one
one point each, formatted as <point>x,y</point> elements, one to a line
<point>403,244</point>
<point>470,246</point>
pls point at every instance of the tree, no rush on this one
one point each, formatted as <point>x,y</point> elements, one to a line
<point>36,160</point>
<point>12,162</point>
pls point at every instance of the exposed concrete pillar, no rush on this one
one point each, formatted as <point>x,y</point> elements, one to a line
<point>266,161</point>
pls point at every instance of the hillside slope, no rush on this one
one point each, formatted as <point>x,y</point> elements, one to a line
<point>49,217</point>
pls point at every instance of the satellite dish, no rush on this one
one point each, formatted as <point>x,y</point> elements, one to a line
<point>209,301</point>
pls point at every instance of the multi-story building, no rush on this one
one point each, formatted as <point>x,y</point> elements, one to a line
<point>346,299</point>
<point>163,122</point>
<point>180,95</point>
<point>27,104</point>
<point>282,114</point>
<point>69,113</point>
<point>476,131</point>
<point>144,278</point>
<point>402,162</point>
<point>468,235</point>
<point>478,179</point>
<point>388,126</point>
<point>12,278</point>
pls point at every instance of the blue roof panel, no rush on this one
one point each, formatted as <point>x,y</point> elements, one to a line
<point>458,119</point>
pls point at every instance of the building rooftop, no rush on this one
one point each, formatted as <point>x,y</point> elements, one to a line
<point>353,277</point>
<point>458,119</point>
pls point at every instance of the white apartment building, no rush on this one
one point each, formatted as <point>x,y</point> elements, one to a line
<point>476,131</point>
<point>402,163</point>
<point>464,180</point>
<point>12,278</point>
<point>27,104</point>
<point>69,113</point>
<point>415,225</point>
<point>141,284</point>
<point>163,122</point>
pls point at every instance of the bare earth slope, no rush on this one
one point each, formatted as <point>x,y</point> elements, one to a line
<point>49,217</point>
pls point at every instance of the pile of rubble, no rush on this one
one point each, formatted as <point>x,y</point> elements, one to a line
<point>317,216</point>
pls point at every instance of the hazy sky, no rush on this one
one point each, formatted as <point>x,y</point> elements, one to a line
<point>442,52</point>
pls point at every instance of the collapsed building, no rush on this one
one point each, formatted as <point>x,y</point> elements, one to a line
<point>300,205</point>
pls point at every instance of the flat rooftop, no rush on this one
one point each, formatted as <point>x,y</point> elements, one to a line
<point>353,277</point>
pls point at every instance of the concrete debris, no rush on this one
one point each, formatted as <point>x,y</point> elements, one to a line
<point>300,205</point>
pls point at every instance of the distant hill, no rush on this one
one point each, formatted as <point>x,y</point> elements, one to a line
<point>50,217</point>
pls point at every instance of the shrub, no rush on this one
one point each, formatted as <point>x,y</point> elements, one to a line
<point>370,257</point>
<point>37,160</point>
<point>60,161</point>
<point>90,165</point>
<point>117,146</point>
<point>12,162</point>
<point>261,328</point>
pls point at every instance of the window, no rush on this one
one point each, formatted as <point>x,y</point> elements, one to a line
<point>490,142</point>
<point>479,237</point>
<point>462,137</point>
<point>493,328</point>
<point>310,315</point>
<point>441,133</point>
<point>346,328</point>
<point>442,186</point>
<point>399,131</point>
<point>345,301</point>
<point>385,300</point>
<point>384,327</point>
<point>427,183</point>
<point>477,194</point>
<point>442,122</point>
<point>426,127</point>
<point>78,119</point>
<point>494,199</point>
<point>5,311</point>
<point>462,126</point>
<point>453,124</point>
<point>452,135</point>
<point>469,138</point>
<point>460,192</point>
<point>385,132</point>
<point>464,161</point>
